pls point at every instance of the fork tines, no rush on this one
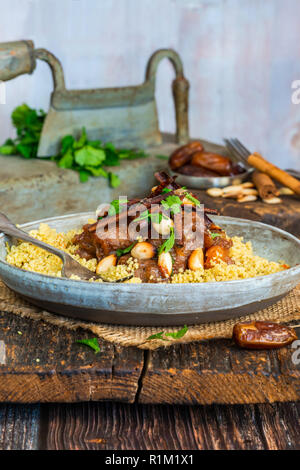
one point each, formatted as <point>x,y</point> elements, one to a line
<point>238,149</point>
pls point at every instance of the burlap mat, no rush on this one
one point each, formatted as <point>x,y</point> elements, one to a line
<point>284,311</point>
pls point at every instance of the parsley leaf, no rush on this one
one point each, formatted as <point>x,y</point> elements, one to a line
<point>143,215</point>
<point>214,235</point>
<point>67,160</point>
<point>155,217</point>
<point>157,336</point>
<point>8,149</point>
<point>91,343</point>
<point>166,190</point>
<point>176,335</point>
<point>193,199</point>
<point>83,176</point>
<point>131,154</point>
<point>173,203</point>
<point>89,156</point>
<point>162,157</point>
<point>168,244</point>
<point>120,252</point>
<point>97,171</point>
<point>116,206</point>
<point>114,180</point>
<point>67,143</point>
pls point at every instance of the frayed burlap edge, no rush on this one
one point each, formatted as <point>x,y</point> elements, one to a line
<point>284,311</point>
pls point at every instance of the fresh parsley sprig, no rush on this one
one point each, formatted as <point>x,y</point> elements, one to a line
<point>175,335</point>
<point>155,217</point>
<point>116,206</point>
<point>91,343</point>
<point>172,203</point>
<point>214,235</point>
<point>192,198</point>
<point>28,123</point>
<point>168,244</point>
<point>87,157</point>
<point>121,252</point>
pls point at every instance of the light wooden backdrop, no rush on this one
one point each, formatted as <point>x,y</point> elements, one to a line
<point>241,57</point>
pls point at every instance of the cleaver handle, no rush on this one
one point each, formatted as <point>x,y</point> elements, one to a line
<point>16,58</point>
<point>180,88</point>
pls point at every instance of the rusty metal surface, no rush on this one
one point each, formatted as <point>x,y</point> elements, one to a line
<point>16,58</point>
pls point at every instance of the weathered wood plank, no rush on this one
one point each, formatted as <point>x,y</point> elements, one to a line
<point>219,372</point>
<point>45,364</point>
<point>19,427</point>
<point>114,426</point>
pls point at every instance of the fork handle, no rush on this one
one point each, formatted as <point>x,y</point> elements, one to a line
<point>256,160</point>
<point>7,227</point>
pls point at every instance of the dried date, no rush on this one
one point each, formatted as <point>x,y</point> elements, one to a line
<point>183,155</point>
<point>263,335</point>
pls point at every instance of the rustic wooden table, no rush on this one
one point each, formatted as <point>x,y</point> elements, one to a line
<point>65,372</point>
<point>115,426</point>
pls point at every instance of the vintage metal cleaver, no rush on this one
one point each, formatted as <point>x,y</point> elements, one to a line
<point>126,116</point>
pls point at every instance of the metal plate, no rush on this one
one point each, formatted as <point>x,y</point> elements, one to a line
<point>205,182</point>
<point>169,304</point>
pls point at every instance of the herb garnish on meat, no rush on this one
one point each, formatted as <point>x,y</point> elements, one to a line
<point>168,244</point>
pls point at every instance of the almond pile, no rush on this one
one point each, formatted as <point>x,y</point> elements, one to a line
<point>245,192</point>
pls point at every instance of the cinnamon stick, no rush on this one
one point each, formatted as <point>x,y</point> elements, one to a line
<point>256,160</point>
<point>264,185</point>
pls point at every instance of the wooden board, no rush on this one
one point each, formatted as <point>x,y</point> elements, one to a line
<point>98,426</point>
<point>285,215</point>
<point>218,372</point>
<point>45,364</point>
<point>119,426</point>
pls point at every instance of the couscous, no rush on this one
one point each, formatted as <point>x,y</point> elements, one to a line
<point>31,258</point>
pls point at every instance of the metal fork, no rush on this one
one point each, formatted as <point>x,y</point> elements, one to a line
<point>239,150</point>
<point>242,154</point>
<point>70,266</point>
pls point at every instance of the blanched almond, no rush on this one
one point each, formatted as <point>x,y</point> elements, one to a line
<point>165,264</point>
<point>284,191</point>
<point>232,189</point>
<point>247,198</point>
<point>233,194</point>
<point>143,250</point>
<point>273,200</point>
<point>164,226</point>
<point>248,184</point>
<point>196,259</point>
<point>252,191</point>
<point>215,192</point>
<point>106,263</point>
